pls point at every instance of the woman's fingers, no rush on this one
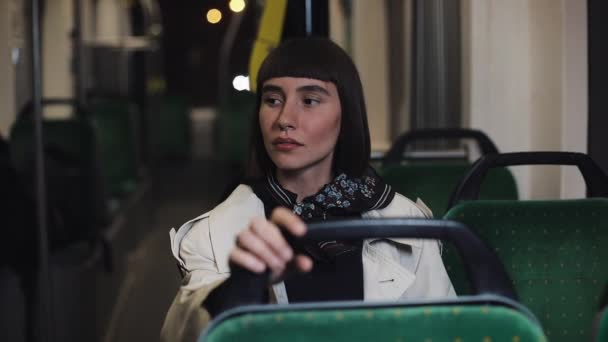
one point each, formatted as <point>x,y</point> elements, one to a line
<point>262,245</point>
<point>289,221</point>
<point>272,236</point>
<point>303,263</point>
<point>300,264</point>
<point>247,260</point>
<point>259,246</point>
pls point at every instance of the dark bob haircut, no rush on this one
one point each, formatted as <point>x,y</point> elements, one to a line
<point>321,59</point>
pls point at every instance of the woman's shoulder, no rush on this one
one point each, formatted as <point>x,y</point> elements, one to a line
<point>232,215</point>
<point>241,195</point>
<point>242,198</point>
<point>239,203</point>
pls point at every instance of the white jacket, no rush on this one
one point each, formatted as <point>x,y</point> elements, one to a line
<point>393,269</point>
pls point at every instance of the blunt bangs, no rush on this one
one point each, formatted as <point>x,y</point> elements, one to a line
<point>306,58</point>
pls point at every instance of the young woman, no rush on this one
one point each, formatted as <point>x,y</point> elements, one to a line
<point>309,161</point>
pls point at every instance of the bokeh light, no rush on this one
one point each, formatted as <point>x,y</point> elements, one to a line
<point>214,16</point>
<point>241,82</point>
<point>236,5</point>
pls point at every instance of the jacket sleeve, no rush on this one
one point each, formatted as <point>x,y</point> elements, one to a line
<point>187,317</point>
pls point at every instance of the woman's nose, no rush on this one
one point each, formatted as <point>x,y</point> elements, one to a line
<point>287,117</point>
<point>285,126</point>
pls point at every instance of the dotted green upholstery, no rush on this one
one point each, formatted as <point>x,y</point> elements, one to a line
<point>555,252</point>
<point>115,127</point>
<point>435,182</point>
<point>426,323</point>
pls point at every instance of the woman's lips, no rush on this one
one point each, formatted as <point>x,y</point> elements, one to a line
<point>285,145</point>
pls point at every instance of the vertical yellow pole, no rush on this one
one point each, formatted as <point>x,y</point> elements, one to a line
<point>269,36</point>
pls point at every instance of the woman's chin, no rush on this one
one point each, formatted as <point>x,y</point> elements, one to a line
<point>288,167</point>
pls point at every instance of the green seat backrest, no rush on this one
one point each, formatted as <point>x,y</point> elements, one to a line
<point>169,133</point>
<point>73,138</point>
<point>234,121</point>
<point>75,190</point>
<point>115,124</point>
<point>435,182</point>
<point>555,252</point>
<point>433,322</point>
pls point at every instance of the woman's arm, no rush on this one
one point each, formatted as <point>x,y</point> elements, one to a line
<point>259,247</point>
<point>186,317</point>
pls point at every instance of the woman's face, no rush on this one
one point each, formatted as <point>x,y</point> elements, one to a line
<point>300,122</point>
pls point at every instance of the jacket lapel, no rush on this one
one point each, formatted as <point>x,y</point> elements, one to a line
<point>384,278</point>
<point>389,271</point>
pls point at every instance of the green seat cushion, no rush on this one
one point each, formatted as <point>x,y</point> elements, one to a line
<point>555,252</point>
<point>428,323</point>
<point>435,182</point>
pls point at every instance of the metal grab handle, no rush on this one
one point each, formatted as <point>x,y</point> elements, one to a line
<point>468,189</point>
<point>483,268</point>
<point>395,153</point>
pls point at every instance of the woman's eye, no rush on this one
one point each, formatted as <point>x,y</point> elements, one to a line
<point>272,101</point>
<point>311,101</point>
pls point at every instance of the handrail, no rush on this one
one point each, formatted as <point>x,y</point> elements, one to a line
<point>482,266</point>
<point>469,188</point>
<point>394,155</point>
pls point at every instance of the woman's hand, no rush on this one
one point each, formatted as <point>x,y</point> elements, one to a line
<point>262,246</point>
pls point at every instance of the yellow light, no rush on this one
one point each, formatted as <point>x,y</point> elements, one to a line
<point>214,16</point>
<point>236,5</point>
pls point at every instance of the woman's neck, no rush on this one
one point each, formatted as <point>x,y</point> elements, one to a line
<point>304,183</point>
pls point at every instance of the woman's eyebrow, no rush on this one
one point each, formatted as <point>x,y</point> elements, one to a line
<point>272,88</point>
<point>312,87</point>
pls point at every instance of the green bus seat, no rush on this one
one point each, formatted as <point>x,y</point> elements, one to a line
<point>234,126</point>
<point>474,319</point>
<point>552,249</point>
<point>76,196</point>
<point>435,182</point>
<point>169,132</point>
<point>117,138</point>
<point>491,314</point>
<point>433,178</point>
